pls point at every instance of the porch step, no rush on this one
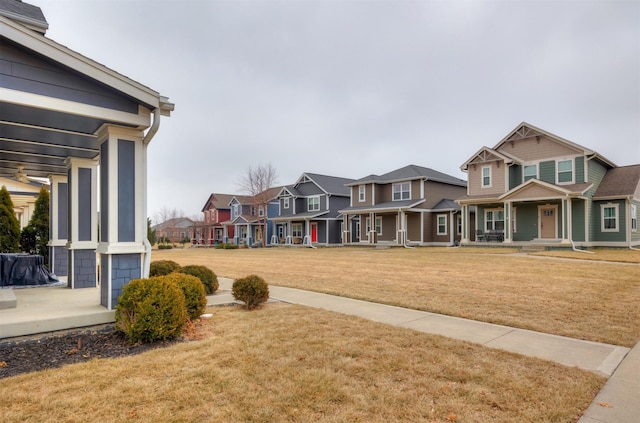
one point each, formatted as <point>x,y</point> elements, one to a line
<point>7,299</point>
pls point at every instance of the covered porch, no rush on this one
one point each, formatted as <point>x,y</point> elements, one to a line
<point>86,129</point>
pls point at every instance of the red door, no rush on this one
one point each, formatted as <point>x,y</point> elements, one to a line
<point>314,232</point>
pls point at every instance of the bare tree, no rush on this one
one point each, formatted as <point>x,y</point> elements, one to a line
<point>257,182</point>
<point>167,219</point>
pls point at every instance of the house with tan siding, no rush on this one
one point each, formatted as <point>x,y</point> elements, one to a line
<point>412,205</point>
<point>536,188</point>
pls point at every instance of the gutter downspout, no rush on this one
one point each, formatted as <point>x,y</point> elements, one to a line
<point>145,142</point>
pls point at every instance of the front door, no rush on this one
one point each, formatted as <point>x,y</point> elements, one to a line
<point>548,221</point>
<point>314,232</point>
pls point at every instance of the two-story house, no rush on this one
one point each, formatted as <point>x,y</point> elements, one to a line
<point>251,218</point>
<point>536,187</point>
<point>309,210</point>
<point>412,205</point>
<point>211,230</point>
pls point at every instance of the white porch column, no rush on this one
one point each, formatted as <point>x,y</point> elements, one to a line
<point>58,221</point>
<point>465,236</point>
<point>122,210</point>
<point>508,230</point>
<point>346,229</point>
<point>567,232</point>
<point>82,228</point>
<point>372,228</point>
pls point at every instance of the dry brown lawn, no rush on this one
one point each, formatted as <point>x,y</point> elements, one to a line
<point>596,301</point>
<point>286,363</point>
<point>622,256</point>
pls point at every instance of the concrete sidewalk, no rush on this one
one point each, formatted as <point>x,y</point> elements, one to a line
<point>618,402</point>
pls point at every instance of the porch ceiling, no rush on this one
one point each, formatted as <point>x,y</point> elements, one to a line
<point>40,140</point>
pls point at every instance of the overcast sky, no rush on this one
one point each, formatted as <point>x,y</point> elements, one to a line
<point>351,88</point>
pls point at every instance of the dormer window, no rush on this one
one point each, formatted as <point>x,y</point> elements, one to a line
<point>362,196</point>
<point>565,171</point>
<point>285,202</point>
<point>401,191</point>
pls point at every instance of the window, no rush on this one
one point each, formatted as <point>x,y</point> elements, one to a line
<point>361,193</point>
<point>285,202</point>
<point>494,220</point>
<point>609,217</point>
<point>402,191</point>
<point>378,225</point>
<point>253,210</point>
<point>459,225</point>
<point>260,211</point>
<point>296,230</point>
<point>313,203</point>
<point>442,224</point>
<point>236,210</point>
<point>486,176</point>
<point>530,172</point>
<point>634,218</point>
<point>565,172</point>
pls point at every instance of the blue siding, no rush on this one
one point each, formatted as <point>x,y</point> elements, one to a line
<point>84,204</point>
<point>104,192</point>
<point>63,210</point>
<point>126,191</point>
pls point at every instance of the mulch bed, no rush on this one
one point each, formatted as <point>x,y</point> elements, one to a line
<point>35,354</point>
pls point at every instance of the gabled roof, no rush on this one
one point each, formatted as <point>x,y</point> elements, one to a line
<point>486,155</point>
<point>331,185</point>
<point>408,173</point>
<point>176,222</point>
<point>25,14</point>
<point>298,216</point>
<point>242,199</point>
<point>218,201</point>
<point>548,190</point>
<point>620,182</point>
<point>526,130</point>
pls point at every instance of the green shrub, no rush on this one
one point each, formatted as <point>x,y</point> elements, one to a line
<point>162,267</point>
<point>231,246</point>
<point>151,310</point>
<point>252,290</point>
<point>165,247</point>
<point>206,276</point>
<point>194,295</point>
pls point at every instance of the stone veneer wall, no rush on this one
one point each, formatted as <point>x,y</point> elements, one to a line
<point>59,257</point>
<point>84,272</point>
<point>124,267</point>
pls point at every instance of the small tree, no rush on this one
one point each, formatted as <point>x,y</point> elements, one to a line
<point>151,233</point>
<point>35,236</point>
<point>257,183</point>
<point>9,225</point>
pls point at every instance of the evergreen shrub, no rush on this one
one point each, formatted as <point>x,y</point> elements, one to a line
<point>163,267</point>
<point>194,293</point>
<point>252,290</point>
<point>206,276</point>
<point>151,310</point>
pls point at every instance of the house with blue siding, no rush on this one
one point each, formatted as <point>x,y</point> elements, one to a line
<point>251,218</point>
<point>309,210</point>
<point>536,188</point>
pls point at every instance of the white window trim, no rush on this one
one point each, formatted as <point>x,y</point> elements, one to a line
<point>573,172</point>
<point>285,202</point>
<point>378,220</point>
<point>494,211</point>
<point>312,201</point>
<point>617,218</point>
<point>295,233</point>
<point>459,225</point>
<point>362,193</point>
<point>438,224</point>
<point>401,191</point>
<point>634,218</point>
<point>482,184</point>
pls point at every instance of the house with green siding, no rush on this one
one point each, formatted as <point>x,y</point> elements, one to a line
<point>536,188</point>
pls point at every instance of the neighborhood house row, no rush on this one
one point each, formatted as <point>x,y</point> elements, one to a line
<point>532,187</point>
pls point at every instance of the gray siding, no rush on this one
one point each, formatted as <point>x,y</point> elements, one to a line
<point>23,71</point>
<point>126,191</point>
<point>84,204</point>
<point>63,209</point>
<point>104,192</point>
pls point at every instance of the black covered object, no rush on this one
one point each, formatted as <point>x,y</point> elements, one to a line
<point>23,270</point>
